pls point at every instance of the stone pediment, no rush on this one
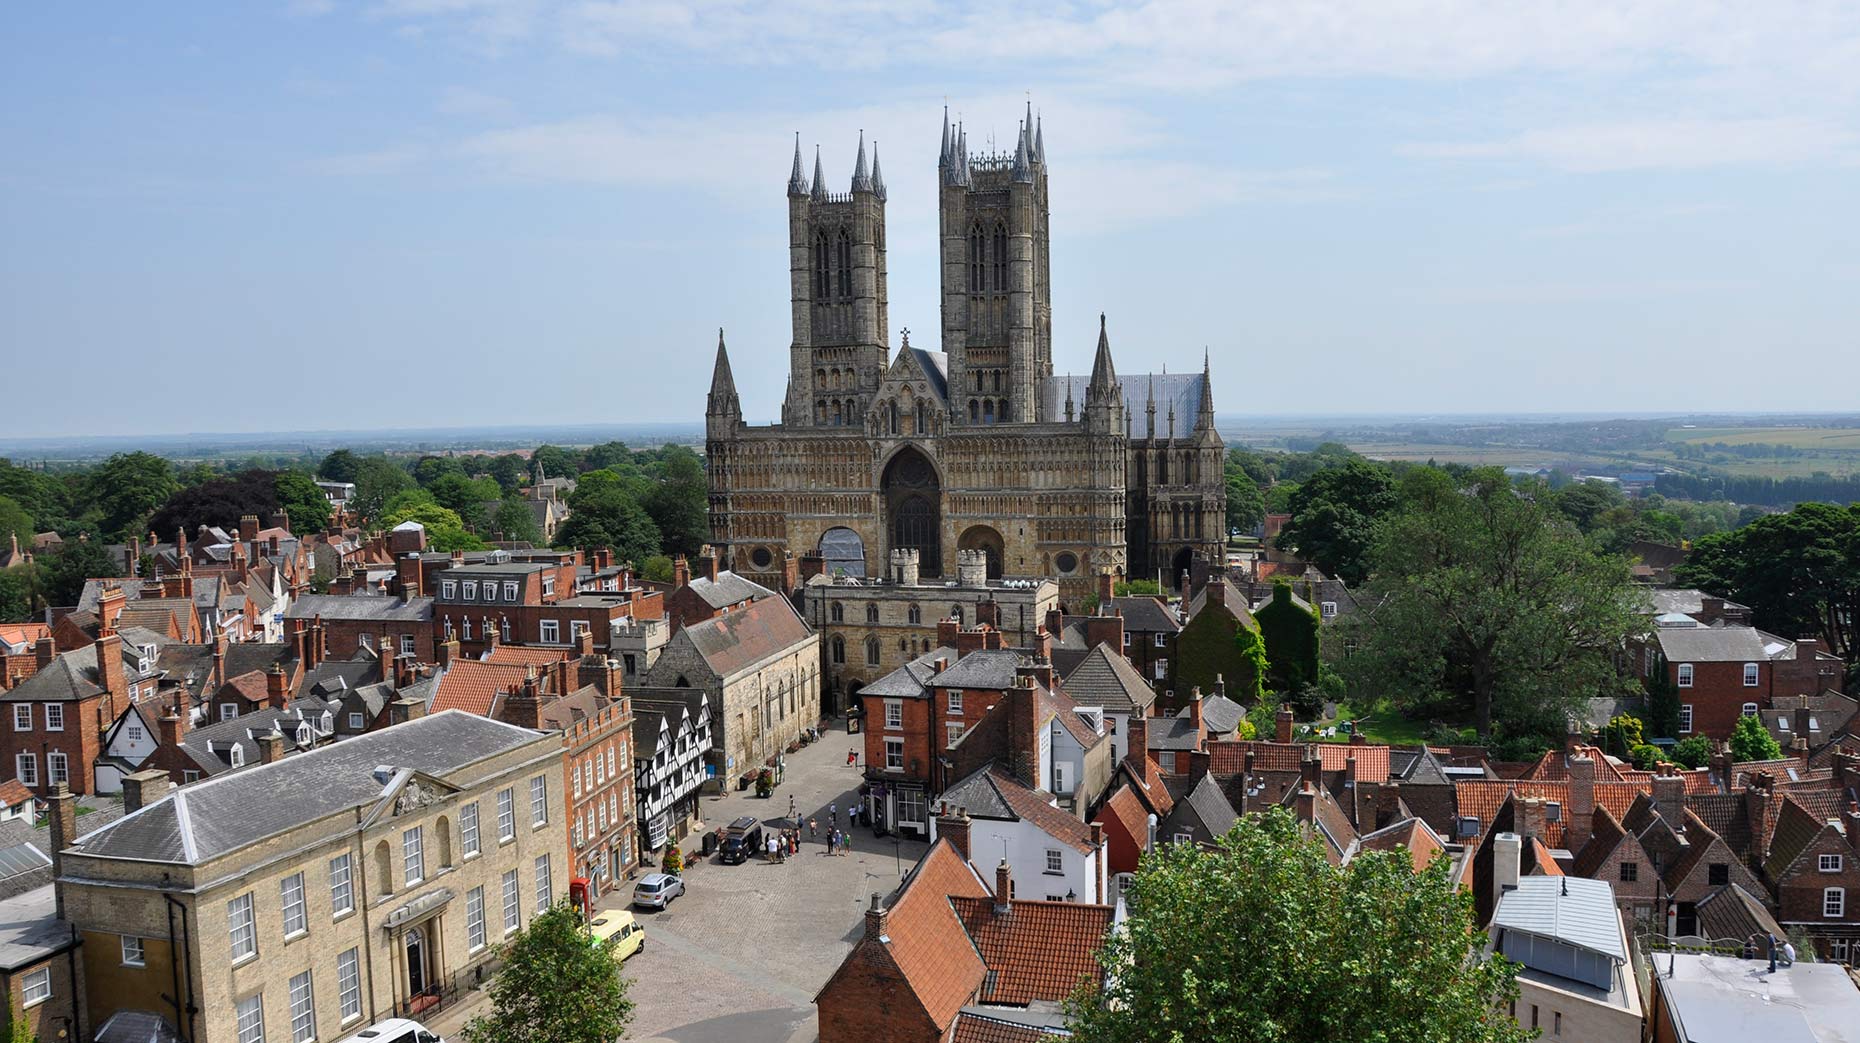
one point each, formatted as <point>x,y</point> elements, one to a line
<point>417,794</point>
<point>407,792</point>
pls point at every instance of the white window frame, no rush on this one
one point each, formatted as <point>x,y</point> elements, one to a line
<point>303,1008</point>
<point>955,700</point>
<point>952,730</point>
<point>1830,863</point>
<point>36,987</point>
<point>242,928</point>
<point>296,912</point>
<point>1327,609</point>
<point>1055,861</point>
<point>26,769</point>
<point>1833,903</point>
<point>57,768</point>
<point>539,801</point>
<point>1752,675</point>
<point>448,589</point>
<point>1682,675</point>
<point>1747,710</point>
<point>341,886</point>
<point>413,856</point>
<point>133,956</point>
<point>894,714</point>
<point>469,590</point>
<point>548,585</point>
<point>1159,640</point>
<point>406,644</point>
<point>549,631</point>
<point>1128,637</point>
<point>468,829</point>
<point>506,814</point>
<point>474,919</point>
<point>1184,838</point>
<point>894,754</point>
<point>545,889</point>
<point>54,717</point>
<point>513,904</point>
<point>249,1018</point>
<point>349,984</point>
<point>1685,718</point>
<point>610,762</point>
<point>510,590</point>
<point>357,720</point>
<point>228,711</point>
<point>22,717</point>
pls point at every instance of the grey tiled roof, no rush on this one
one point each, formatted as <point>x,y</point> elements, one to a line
<point>728,589</point>
<point>1702,644</point>
<point>198,823</point>
<point>210,745</point>
<point>988,668</point>
<point>1221,714</point>
<point>1210,805</point>
<point>1144,615</point>
<point>912,680</point>
<point>1171,733</point>
<point>360,606</point>
<point>936,367</point>
<point>1105,678</point>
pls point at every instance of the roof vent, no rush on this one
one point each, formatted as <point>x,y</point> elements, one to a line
<point>384,773</point>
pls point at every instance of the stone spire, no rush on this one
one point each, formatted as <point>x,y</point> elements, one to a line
<point>797,182</point>
<point>1150,432</point>
<point>1023,170</point>
<point>1039,140</point>
<point>961,164</point>
<point>723,400</point>
<point>1205,420</point>
<point>1104,400</point>
<point>820,179</point>
<point>1103,373</point>
<point>862,179</point>
<point>878,176</point>
<point>1068,398</point>
<point>942,159</point>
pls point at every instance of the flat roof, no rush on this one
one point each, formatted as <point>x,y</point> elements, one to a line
<point>1721,999</point>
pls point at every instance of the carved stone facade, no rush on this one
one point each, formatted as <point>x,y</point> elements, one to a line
<point>978,446</point>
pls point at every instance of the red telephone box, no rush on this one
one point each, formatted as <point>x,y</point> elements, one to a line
<point>580,891</point>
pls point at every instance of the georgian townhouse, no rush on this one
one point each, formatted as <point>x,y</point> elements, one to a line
<point>54,721</point>
<point>596,725</point>
<point>531,600</point>
<point>1725,672</point>
<point>353,622</point>
<point>1051,852</point>
<point>312,896</point>
<point>1814,867</point>
<point>671,741</point>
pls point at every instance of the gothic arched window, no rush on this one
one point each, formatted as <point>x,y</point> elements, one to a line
<point>1001,257</point>
<point>839,612</point>
<point>975,259</point>
<point>845,264</point>
<point>839,650</point>
<point>923,418</point>
<point>894,418</point>
<point>871,651</point>
<point>821,284</point>
<point>871,613</point>
<point>988,411</point>
<point>975,412</point>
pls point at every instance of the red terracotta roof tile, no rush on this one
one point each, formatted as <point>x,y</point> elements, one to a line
<point>1410,835</point>
<point>1228,757</point>
<point>250,686</point>
<point>1480,799</point>
<point>1035,950</point>
<point>473,686</point>
<point>526,655</point>
<point>1127,808</point>
<point>928,942</point>
<point>13,793</point>
<point>976,1027</point>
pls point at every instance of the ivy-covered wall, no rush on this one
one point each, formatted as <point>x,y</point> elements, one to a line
<point>1292,640</point>
<point>1207,648</point>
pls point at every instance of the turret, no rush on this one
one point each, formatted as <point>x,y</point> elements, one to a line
<point>861,179</point>
<point>1204,421</point>
<point>1104,400</point>
<point>797,182</point>
<point>820,179</point>
<point>722,410</point>
<point>878,176</point>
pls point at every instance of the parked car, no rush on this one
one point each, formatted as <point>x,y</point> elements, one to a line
<point>617,929</point>
<point>395,1030</point>
<point>656,890</point>
<point>742,839</point>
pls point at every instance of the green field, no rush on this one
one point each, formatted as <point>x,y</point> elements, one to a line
<point>1840,439</point>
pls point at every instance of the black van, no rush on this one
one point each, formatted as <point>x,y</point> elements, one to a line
<point>741,840</point>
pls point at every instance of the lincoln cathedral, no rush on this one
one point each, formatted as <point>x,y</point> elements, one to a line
<point>978,446</point>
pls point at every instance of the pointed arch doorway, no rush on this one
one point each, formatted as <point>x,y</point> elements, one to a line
<point>914,509</point>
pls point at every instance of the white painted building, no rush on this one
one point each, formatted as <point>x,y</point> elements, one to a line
<point>1051,853</point>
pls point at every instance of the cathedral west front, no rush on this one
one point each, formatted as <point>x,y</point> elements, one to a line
<point>977,446</point>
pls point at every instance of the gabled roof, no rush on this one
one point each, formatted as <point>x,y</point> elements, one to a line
<point>1127,808</point>
<point>991,668</point>
<point>1481,798</point>
<point>1105,678</point>
<point>1796,828</point>
<point>912,680</point>
<point>1410,835</point>
<point>353,607</point>
<point>198,823</point>
<point>1732,912</point>
<point>1572,910</point>
<point>1605,834</point>
<point>1034,950</point>
<point>736,641</point>
<point>1143,614</point>
<point>992,792</point>
<point>1733,644</point>
<point>1228,757</point>
<point>69,676</point>
<point>1222,716</point>
<point>1205,801</point>
<point>474,686</point>
<point>728,589</point>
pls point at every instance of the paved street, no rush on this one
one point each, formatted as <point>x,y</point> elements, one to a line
<point>740,956</point>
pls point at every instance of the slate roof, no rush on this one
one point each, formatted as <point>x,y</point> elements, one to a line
<point>332,677</point>
<point>1222,716</point>
<point>210,745</point>
<point>992,792</point>
<point>1180,391</point>
<point>1703,644</point>
<point>728,589</point>
<point>1143,615</point>
<point>1577,912</point>
<point>1035,950</point>
<point>1209,806</point>
<point>1605,834</point>
<point>1105,678</point>
<point>1688,601</point>
<point>739,640</point>
<point>69,676</point>
<point>198,823</point>
<point>30,929</point>
<point>935,365</point>
<point>353,607</point>
<point>1170,733</point>
<point>912,680</point>
<point>986,668</point>
<point>1796,828</point>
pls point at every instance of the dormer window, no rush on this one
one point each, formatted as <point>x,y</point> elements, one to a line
<point>548,586</point>
<point>448,590</point>
<point>471,590</point>
<point>236,756</point>
<point>510,590</point>
<point>303,735</point>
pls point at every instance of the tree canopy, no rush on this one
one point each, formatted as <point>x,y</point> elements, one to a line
<point>1334,514</point>
<point>126,488</point>
<point>605,512</point>
<point>339,466</point>
<point>1246,506</point>
<point>1262,940</point>
<point>62,575</point>
<point>515,521</point>
<point>220,502</point>
<point>1750,741</point>
<point>1489,607</point>
<point>302,501</point>
<point>444,530</point>
<point>377,480</point>
<point>555,987</point>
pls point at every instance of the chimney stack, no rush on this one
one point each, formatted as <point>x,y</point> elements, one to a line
<point>1004,886</point>
<point>143,788</point>
<point>1195,718</point>
<point>1529,819</point>
<point>400,711</point>
<point>1579,817</point>
<point>877,921</point>
<point>1669,796</point>
<point>1282,725</point>
<point>44,652</point>
<point>62,816</point>
<point>681,572</point>
<point>1107,590</point>
<point>955,829</point>
<point>271,746</point>
<point>248,528</point>
<point>277,687</point>
<point>1507,850</point>
<point>1138,749</point>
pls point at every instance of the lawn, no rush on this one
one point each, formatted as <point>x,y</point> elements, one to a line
<point>1798,437</point>
<point>1381,723</point>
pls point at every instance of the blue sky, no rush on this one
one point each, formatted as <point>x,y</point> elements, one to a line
<point>437,212</point>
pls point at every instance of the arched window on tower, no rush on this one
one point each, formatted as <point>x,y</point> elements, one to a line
<point>894,418</point>
<point>1001,258</point>
<point>988,411</point>
<point>837,418</point>
<point>821,286</point>
<point>845,264</point>
<point>975,412</point>
<point>975,259</point>
<point>997,380</point>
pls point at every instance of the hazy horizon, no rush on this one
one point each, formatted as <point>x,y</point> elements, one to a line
<point>332,216</point>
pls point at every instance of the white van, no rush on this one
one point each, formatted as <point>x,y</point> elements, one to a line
<point>395,1030</point>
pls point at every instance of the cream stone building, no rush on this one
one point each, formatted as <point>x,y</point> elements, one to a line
<point>984,445</point>
<point>309,897</point>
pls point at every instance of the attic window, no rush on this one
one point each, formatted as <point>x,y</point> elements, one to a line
<point>1553,812</point>
<point>1469,826</point>
<point>236,756</point>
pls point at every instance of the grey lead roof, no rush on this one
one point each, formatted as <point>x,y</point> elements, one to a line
<point>1721,999</point>
<point>936,367</point>
<point>1182,391</point>
<point>204,821</point>
<point>1569,909</point>
<point>986,668</point>
<point>1105,678</point>
<point>360,606</point>
<point>30,929</point>
<point>728,589</point>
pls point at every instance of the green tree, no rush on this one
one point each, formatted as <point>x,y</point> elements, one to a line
<point>1490,607</point>
<point>515,521</point>
<point>466,497</point>
<point>444,530</point>
<point>1292,640</point>
<point>1139,588</point>
<point>429,469</point>
<point>126,488</point>
<point>555,987</point>
<point>509,471</point>
<point>1249,684</point>
<point>657,568</point>
<point>15,521</point>
<point>19,594</point>
<point>1645,756</point>
<point>1693,751</point>
<point>18,1029</point>
<point>612,456</point>
<point>604,513</point>
<point>556,461</point>
<point>1334,515</point>
<point>1246,506</point>
<point>1662,699</point>
<point>302,502</point>
<point>680,503</point>
<point>1799,572</point>
<point>1621,734</point>
<point>63,574</point>
<point>1584,502</point>
<point>377,480</point>
<point>339,466</point>
<point>1369,950</point>
<point>1750,741</point>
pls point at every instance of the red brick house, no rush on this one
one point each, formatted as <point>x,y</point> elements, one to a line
<point>1814,866</point>
<point>1725,672</point>
<point>711,594</point>
<point>53,722</point>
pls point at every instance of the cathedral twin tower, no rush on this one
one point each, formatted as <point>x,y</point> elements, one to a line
<point>974,447</point>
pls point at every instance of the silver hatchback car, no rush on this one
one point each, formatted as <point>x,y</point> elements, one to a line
<point>656,890</point>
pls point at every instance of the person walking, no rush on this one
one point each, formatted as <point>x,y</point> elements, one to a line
<point>829,842</point>
<point>833,814</point>
<point>792,813</point>
<point>813,828</point>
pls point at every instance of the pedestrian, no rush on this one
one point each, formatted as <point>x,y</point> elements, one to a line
<point>813,828</point>
<point>841,839</point>
<point>1788,954</point>
<point>851,758</point>
<point>829,842</point>
<point>833,814</point>
<point>792,813</point>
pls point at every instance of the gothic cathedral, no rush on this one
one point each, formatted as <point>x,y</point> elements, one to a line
<point>977,447</point>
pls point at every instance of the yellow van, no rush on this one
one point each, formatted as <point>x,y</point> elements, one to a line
<point>617,929</point>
